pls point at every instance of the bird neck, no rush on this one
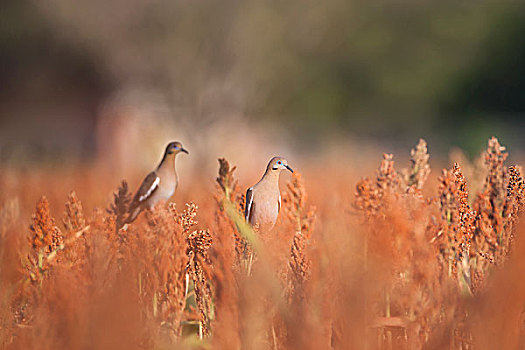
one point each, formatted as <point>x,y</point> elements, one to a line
<point>167,163</point>
<point>271,177</point>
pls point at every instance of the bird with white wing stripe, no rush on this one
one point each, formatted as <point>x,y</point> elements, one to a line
<point>263,200</point>
<point>159,185</point>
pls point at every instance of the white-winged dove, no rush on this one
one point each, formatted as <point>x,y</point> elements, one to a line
<point>263,200</point>
<point>158,185</point>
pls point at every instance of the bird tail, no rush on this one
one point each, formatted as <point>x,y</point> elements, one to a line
<point>132,215</point>
<point>127,218</point>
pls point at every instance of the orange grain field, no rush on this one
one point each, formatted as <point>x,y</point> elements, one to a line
<point>406,258</point>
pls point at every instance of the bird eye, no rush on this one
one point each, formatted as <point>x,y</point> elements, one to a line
<point>279,162</point>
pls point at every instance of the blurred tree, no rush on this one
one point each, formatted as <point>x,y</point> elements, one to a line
<point>50,87</point>
<point>379,69</point>
<point>488,96</point>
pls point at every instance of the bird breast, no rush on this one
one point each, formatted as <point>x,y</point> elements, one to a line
<point>167,189</point>
<point>164,192</point>
<point>266,209</point>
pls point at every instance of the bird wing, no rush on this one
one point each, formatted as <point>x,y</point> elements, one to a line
<point>146,189</point>
<point>279,204</point>
<point>248,208</point>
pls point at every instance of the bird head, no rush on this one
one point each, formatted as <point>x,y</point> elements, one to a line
<point>175,148</point>
<point>277,164</point>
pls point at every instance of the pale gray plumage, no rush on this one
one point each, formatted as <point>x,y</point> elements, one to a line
<point>263,200</point>
<point>158,185</point>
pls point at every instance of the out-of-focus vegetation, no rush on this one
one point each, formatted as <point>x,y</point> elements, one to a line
<point>398,259</point>
<point>408,257</point>
<point>451,71</point>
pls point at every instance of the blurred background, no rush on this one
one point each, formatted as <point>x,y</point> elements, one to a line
<point>112,82</point>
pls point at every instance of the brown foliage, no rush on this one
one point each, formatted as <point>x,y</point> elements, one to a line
<point>401,269</point>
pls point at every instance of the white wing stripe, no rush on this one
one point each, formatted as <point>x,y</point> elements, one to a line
<point>151,189</point>
<point>249,204</point>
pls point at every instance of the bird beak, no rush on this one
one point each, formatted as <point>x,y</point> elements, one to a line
<point>183,150</point>
<point>288,167</point>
